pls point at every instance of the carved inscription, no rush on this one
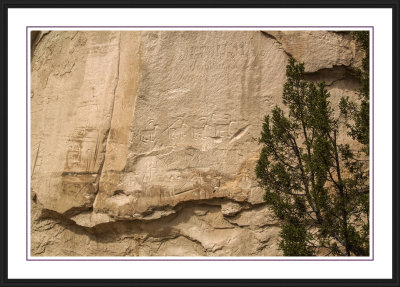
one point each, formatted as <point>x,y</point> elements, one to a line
<point>176,131</point>
<point>226,50</point>
<point>82,149</point>
<point>221,124</point>
<point>218,127</point>
<point>38,158</point>
<point>148,134</point>
<point>198,128</point>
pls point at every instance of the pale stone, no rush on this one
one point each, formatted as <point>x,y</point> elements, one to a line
<point>144,143</point>
<point>230,208</point>
<point>318,49</point>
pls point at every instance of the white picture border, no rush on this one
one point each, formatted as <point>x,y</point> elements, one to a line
<point>20,19</point>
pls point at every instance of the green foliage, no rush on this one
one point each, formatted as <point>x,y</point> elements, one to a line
<point>316,186</point>
<point>357,116</point>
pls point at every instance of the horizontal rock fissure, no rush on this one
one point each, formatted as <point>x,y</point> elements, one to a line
<point>65,217</point>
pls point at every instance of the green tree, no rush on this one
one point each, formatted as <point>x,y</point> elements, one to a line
<point>357,116</point>
<point>317,186</point>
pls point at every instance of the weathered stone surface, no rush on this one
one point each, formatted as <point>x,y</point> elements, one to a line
<point>230,208</point>
<point>318,49</point>
<point>144,143</point>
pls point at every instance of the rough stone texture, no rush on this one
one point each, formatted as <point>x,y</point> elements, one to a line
<point>318,49</point>
<point>144,143</point>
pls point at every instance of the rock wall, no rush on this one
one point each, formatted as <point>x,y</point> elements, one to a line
<point>144,143</point>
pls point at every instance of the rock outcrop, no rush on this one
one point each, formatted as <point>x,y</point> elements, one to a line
<point>144,143</point>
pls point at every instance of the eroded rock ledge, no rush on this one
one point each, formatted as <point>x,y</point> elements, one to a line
<point>144,143</point>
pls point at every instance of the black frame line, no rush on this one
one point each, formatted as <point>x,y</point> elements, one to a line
<point>394,5</point>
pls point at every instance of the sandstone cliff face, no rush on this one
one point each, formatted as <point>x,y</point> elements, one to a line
<point>144,143</point>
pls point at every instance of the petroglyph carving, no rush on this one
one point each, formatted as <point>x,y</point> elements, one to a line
<point>73,154</point>
<point>148,135</point>
<point>225,50</point>
<point>198,128</point>
<point>221,124</point>
<point>82,149</point>
<point>176,131</point>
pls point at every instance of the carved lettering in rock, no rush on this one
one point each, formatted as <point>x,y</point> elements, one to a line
<point>148,135</point>
<point>177,130</point>
<point>223,50</point>
<point>198,128</point>
<point>82,149</point>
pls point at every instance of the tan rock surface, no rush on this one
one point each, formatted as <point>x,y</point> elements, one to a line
<point>144,143</point>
